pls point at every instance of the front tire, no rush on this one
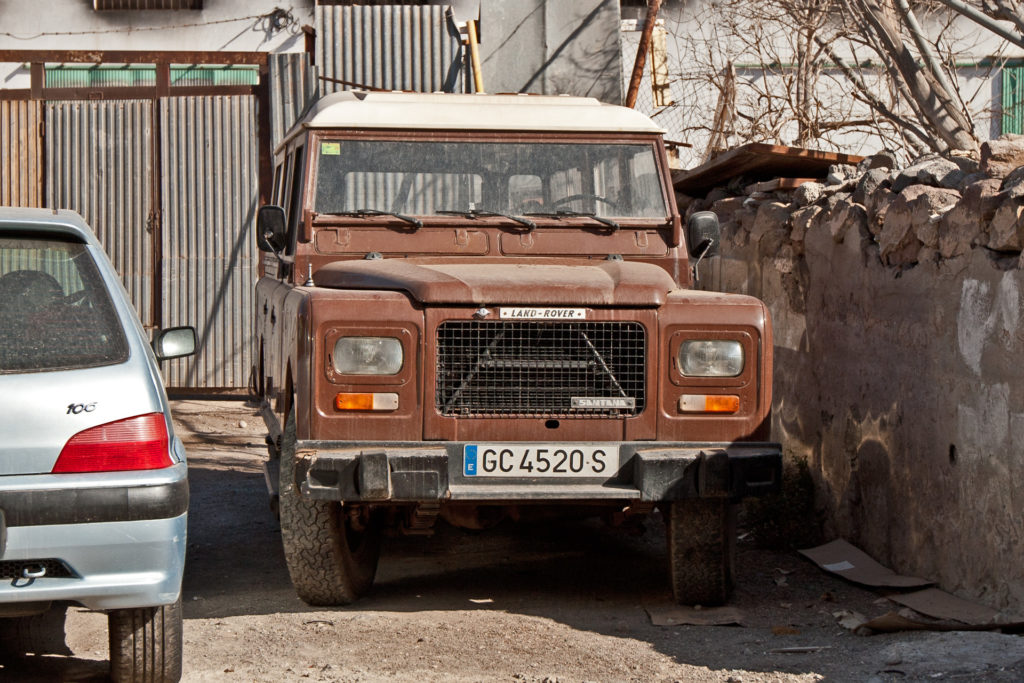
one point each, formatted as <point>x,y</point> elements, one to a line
<point>702,550</point>
<point>330,560</point>
<point>145,644</point>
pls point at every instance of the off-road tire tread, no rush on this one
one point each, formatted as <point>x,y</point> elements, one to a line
<point>323,570</point>
<point>145,644</point>
<point>702,550</point>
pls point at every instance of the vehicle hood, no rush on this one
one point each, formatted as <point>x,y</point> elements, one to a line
<point>595,283</point>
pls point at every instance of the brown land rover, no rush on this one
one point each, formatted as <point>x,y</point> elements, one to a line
<point>475,307</point>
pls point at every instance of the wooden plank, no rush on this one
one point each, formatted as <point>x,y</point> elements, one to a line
<point>778,184</point>
<point>758,161</point>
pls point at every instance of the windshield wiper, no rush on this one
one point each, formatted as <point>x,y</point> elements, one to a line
<point>415,222</point>
<point>474,213</point>
<point>577,214</point>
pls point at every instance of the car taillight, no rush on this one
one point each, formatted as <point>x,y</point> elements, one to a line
<point>137,443</point>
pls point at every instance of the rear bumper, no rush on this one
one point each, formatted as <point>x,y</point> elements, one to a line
<point>58,506</point>
<point>104,540</point>
<point>111,564</point>
<point>647,472</point>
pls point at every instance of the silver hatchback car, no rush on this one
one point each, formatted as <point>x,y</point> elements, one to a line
<point>93,482</point>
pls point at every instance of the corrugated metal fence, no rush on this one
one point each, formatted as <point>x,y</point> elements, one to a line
<point>209,189</point>
<point>394,47</point>
<point>21,158</point>
<point>100,163</point>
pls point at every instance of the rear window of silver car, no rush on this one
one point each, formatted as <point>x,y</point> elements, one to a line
<point>55,313</point>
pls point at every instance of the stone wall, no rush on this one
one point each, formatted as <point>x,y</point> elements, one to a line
<point>898,303</point>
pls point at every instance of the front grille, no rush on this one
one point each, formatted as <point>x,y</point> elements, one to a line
<point>15,569</point>
<point>536,369</point>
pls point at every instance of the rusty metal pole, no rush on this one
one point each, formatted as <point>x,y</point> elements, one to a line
<point>641,52</point>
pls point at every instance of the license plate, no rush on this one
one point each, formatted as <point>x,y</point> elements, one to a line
<point>539,460</point>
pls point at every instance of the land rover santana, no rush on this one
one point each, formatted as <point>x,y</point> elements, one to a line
<point>479,306</point>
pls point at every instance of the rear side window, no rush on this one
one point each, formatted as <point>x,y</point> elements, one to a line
<point>55,313</point>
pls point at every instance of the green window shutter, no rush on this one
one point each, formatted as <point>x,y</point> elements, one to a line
<point>144,75</point>
<point>1013,99</point>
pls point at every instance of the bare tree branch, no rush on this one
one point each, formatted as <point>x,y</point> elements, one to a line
<point>936,104</point>
<point>866,92</point>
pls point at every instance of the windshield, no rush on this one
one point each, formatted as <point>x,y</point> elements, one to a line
<point>519,178</point>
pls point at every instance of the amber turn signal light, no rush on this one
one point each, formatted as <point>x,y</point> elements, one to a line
<point>709,403</point>
<point>384,401</point>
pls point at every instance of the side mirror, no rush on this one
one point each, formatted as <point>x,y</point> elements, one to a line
<point>174,342</point>
<point>703,234</point>
<point>271,228</point>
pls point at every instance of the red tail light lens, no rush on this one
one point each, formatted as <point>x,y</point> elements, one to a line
<point>138,443</point>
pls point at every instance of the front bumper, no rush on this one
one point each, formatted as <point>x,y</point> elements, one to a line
<point>429,471</point>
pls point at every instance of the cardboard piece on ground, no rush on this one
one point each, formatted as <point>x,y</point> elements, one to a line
<point>853,564</point>
<point>905,620</point>
<point>680,615</point>
<point>902,621</point>
<point>942,605</point>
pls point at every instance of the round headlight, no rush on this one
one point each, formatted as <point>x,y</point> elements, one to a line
<point>710,358</point>
<point>368,355</point>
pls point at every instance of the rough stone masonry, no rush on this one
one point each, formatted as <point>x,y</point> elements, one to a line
<point>898,302</point>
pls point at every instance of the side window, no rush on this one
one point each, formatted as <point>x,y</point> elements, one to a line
<point>294,208</point>
<point>277,192</point>
<point>284,198</point>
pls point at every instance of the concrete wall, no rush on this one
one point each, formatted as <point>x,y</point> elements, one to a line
<point>901,382</point>
<point>552,48</point>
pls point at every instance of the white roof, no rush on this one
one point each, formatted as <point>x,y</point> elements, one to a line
<point>359,109</point>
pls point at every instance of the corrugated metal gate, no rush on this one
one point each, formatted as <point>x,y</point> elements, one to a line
<point>99,162</point>
<point>209,188</point>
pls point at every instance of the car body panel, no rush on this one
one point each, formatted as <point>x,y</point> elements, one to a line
<point>125,532</point>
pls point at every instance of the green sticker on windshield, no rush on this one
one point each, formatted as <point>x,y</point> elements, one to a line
<point>331,149</point>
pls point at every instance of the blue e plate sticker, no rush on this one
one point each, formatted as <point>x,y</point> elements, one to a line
<point>469,461</point>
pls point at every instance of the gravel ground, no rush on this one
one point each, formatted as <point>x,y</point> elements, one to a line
<point>558,601</point>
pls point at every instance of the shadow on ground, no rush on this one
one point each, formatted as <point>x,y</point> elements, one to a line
<point>578,572</point>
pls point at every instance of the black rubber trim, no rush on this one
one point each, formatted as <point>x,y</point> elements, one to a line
<point>86,506</point>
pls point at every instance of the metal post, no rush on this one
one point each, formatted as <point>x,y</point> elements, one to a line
<point>641,53</point>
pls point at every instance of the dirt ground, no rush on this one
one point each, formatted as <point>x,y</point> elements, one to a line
<point>567,601</point>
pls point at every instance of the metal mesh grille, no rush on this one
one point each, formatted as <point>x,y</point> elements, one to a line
<point>15,569</point>
<point>540,369</point>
